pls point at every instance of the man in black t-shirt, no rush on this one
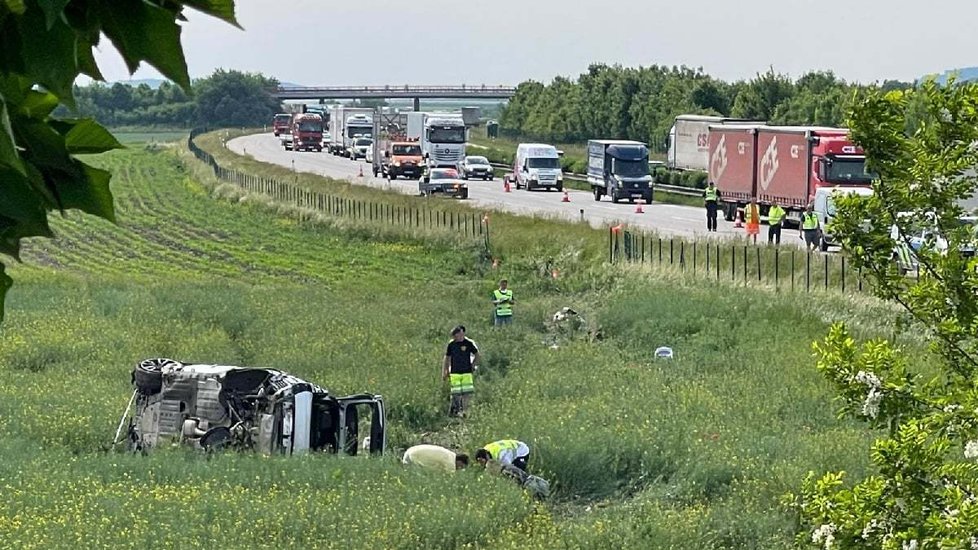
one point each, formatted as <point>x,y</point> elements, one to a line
<point>461,360</point>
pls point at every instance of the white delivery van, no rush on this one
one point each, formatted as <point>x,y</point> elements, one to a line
<point>538,166</point>
<point>824,209</point>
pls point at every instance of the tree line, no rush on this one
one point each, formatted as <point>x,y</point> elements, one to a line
<point>223,99</point>
<point>641,103</point>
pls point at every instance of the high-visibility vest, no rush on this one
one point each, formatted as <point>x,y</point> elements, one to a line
<point>496,448</point>
<point>710,194</point>
<point>504,309</point>
<point>750,214</point>
<point>809,221</point>
<point>775,215</point>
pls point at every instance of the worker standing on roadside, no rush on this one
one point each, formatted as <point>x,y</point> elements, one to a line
<point>505,451</point>
<point>809,228</point>
<point>502,298</point>
<point>775,217</point>
<point>711,197</point>
<point>461,361</point>
<point>752,219</point>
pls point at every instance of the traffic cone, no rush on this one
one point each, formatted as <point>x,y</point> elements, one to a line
<point>360,175</point>
<point>566,197</point>
<point>638,208</point>
<point>739,219</point>
<point>506,185</point>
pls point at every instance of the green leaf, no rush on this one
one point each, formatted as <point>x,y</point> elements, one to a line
<point>20,202</point>
<point>15,6</point>
<point>8,148</point>
<point>38,105</point>
<point>5,283</point>
<point>145,32</point>
<point>49,54</point>
<point>88,193</point>
<point>52,10</point>
<point>86,137</point>
<point>222,9</point>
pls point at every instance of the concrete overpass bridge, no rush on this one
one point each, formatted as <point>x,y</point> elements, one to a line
<point>417,93</point>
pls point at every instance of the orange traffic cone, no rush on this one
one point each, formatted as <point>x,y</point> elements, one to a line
<point>360,175</point>
<point>739,219</point>
<point>566,197</point>
<point>638,208</point>
<point>506,185</point>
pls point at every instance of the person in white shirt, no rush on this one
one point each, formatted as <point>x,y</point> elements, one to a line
<point>434,456</point>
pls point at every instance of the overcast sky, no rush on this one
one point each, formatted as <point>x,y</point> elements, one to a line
<point>353,42</point>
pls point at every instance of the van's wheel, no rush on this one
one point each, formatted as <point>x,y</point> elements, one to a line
<point>560,187</point>
<point>614,197</point>
<point>148,374</point>
<point>823,246</point>
<point>597,194</point>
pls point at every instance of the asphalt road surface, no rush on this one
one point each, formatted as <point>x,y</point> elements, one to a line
<point>665,219</point>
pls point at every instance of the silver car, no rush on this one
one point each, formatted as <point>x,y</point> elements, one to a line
<point>475,167</point>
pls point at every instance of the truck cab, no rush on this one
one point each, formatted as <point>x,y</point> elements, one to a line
<point>442,137</point>
<point>619,169</point>
<point>357,126</point>
<point>281,123</point>
<point>401,157</point>
<point>538,166</point>
<point>307,133</point>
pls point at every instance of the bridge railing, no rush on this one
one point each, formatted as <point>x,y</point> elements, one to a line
<point>404,88</point>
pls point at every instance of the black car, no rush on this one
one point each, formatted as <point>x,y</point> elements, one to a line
<point>475,167</point>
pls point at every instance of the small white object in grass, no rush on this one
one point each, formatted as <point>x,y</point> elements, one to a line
<point>663,352</point>
<point>366,443</point>
<point>563,314</point>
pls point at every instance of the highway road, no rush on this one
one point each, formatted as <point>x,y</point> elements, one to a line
<point>665,219</point>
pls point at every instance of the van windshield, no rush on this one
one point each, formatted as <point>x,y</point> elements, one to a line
<point>630,168</point>
<point>543,162</point>
<point>407,150</point>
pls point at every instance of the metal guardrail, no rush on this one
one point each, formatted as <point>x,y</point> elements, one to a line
<point>674,189</point>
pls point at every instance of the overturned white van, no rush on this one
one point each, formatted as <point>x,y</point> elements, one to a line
<point>266,410</point>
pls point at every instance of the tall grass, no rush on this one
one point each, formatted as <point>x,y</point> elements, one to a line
<point>692,452</point>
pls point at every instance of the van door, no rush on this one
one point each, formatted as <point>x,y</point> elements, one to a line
<point>349,423</point>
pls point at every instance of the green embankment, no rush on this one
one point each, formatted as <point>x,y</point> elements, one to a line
<point>692,452</point>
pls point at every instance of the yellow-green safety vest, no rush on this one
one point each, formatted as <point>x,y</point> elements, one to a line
<point>497,447</point>
<point>809,221</point>
<point>504,309</point>
<point>748,217</point>
<point>775,215</point>
<point>711,194</point>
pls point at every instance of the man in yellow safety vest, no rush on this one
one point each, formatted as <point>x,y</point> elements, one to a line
<point>502,298</point>
<point>711,198</point>
<point>505,451</point>
<point>461,361</point>
<point>809,228</point>
<point>775,218</point>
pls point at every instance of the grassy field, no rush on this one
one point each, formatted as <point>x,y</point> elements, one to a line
<point>692,452</point>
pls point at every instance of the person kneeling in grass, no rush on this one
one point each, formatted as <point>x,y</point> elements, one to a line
<point>434,456</point>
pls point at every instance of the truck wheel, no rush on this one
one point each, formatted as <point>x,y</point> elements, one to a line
<point>597,193</point>
<point>614,197</point>
<point>148,374</point>
<point>730,212</point>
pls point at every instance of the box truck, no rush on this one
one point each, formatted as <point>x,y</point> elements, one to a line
<point>347,122</point>
<point>619,169</point>
<point>782,164</point>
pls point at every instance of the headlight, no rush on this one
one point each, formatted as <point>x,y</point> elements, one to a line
<point>397,163</point>
<point>560,177</point>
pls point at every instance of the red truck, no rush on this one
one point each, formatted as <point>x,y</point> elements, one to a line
<point>281,123</point>
<point>781,164</point>
<point>307,132</point>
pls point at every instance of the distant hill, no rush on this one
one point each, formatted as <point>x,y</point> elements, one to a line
<point>964,74</point>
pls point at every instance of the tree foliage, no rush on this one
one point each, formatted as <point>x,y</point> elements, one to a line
<point>44,46</point>
<point>618,102</point>
<point>923,491</point>
<point>233,98</point>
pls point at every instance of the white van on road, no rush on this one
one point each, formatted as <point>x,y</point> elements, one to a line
<point>538,165</point>
<point>824,209</point>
